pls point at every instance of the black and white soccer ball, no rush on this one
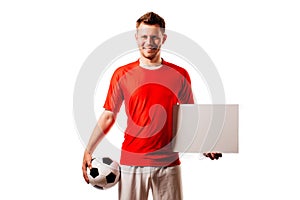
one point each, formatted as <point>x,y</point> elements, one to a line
<point>104,173</point>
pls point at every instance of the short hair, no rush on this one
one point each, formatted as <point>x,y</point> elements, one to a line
<point>152,18</point>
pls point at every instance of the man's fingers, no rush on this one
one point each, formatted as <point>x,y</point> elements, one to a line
<point>217,155</point>
<point>210,156</point>
<point>84,171</point>
<point>89,164</point>
<point>86,178</point>
<point>213,156</point>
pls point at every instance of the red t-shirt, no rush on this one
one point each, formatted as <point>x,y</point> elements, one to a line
<point>149,96</point>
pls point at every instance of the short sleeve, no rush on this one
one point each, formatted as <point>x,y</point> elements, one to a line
<point>114,96</point>
<point>186,93</point>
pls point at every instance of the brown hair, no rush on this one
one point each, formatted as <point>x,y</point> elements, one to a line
<point>152,18</point>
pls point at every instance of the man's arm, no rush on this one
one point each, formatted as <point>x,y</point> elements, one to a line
<point>105,122</point>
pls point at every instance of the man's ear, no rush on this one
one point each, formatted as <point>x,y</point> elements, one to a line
<point>135,36</point>
<point>164,38</point>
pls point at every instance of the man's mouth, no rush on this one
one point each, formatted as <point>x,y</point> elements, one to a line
<point>150,48</point>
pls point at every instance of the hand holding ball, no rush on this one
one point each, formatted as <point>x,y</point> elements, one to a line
<point>104,174</point>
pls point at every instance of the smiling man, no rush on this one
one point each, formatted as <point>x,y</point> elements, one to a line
<point>149,88</point>
<point>150,36</point>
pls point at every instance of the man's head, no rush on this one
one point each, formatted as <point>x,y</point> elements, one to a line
<point>150,35</point>
<point>151,18</point>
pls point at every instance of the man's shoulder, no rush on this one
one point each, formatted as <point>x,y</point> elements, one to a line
<point>125,68</point>
<point>130,65</point>
<point>180,69</point>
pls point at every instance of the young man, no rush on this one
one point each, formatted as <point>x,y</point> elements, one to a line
<point>149,88</point>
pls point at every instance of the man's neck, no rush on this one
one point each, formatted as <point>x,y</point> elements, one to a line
<point>151,62</point>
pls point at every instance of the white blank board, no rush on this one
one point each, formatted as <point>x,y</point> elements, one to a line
<point>200,128</point>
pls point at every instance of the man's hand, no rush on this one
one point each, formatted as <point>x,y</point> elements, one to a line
<point>213,156</point>
<point>87,159</point>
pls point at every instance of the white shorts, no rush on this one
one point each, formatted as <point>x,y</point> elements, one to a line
<point>135,183</point>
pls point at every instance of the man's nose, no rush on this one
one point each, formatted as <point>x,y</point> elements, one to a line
<point>149,40</point>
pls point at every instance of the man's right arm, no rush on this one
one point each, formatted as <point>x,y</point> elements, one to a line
<point>105,122</point>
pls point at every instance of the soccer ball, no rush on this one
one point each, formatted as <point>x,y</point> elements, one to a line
<point>104,173</point>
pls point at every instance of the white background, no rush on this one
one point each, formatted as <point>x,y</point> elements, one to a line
<point>255,46</point>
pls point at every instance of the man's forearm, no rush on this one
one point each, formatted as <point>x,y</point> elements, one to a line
<point>103,125</point>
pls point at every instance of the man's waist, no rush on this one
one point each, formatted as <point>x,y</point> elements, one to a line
<point>149,159</point>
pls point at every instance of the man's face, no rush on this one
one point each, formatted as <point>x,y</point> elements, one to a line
<point>149,39</point>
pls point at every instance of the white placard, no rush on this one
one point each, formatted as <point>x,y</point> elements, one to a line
<point>205,128</point>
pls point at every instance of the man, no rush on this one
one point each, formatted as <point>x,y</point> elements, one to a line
<point>149,88</point>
